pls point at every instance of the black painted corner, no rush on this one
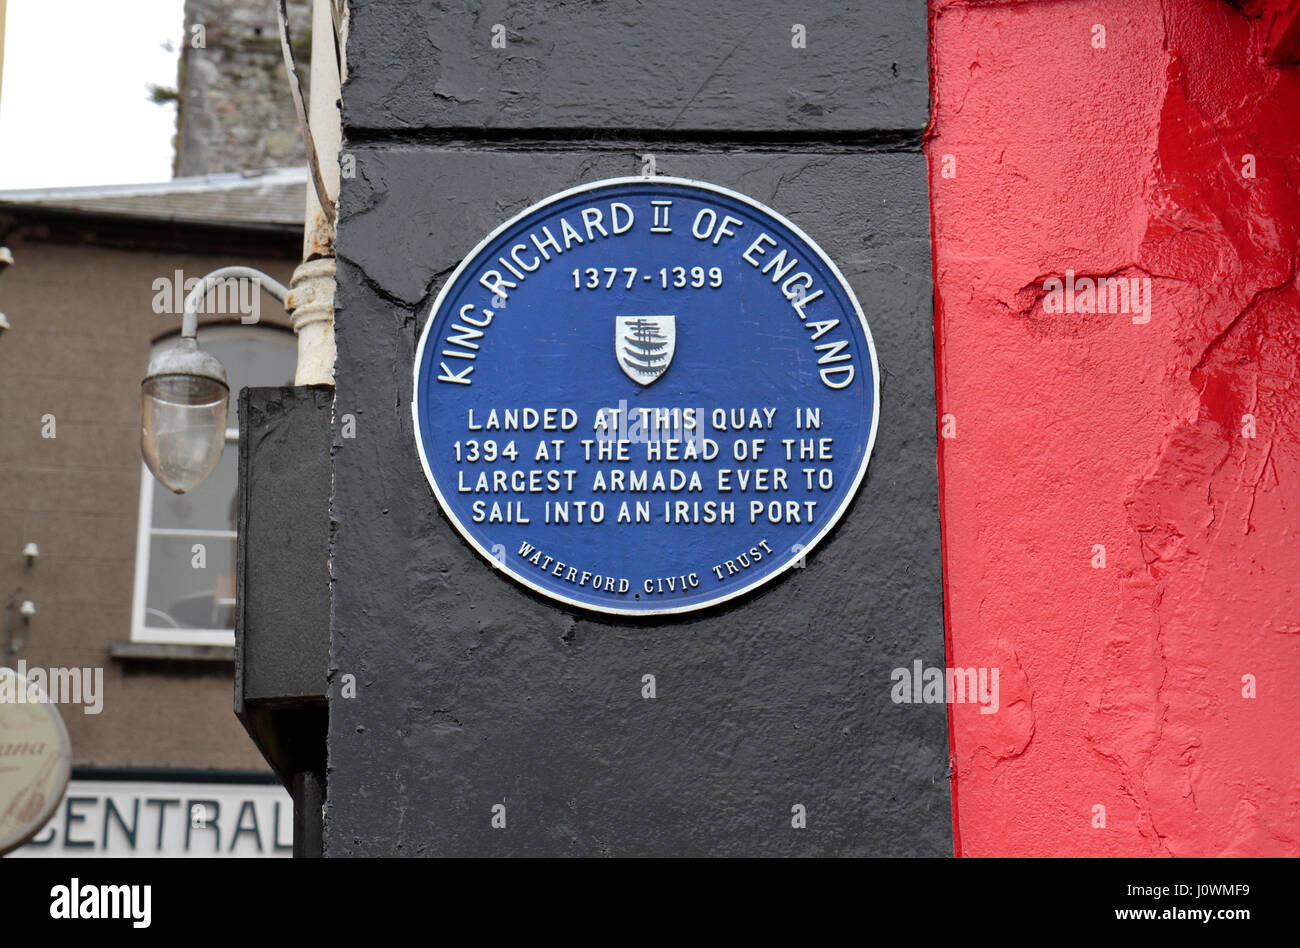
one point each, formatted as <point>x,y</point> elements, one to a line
<point>472,692</point>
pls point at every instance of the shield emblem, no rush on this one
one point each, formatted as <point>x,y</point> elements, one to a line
<point>645,345</point>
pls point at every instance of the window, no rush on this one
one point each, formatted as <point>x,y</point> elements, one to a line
<point>185,551</point>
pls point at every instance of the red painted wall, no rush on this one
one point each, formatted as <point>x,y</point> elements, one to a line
<point>1120,686</point>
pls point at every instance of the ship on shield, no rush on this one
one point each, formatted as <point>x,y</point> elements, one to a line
<point>645,346</point>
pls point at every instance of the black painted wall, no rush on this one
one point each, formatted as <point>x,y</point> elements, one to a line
<point>472,691</point>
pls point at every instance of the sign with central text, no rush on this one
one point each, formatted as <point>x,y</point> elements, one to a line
<point>645,396</point>
<point>166,818</point>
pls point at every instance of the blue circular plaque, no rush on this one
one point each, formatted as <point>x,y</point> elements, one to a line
<point>645,396</point>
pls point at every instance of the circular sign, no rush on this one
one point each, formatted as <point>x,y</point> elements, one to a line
<point>645,396</point>
<point>35,759</point>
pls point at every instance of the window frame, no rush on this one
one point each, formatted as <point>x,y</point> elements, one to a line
<point>145,531</point>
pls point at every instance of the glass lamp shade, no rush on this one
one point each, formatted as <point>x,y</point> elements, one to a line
<point>183,405</point>
<point>183,428</point>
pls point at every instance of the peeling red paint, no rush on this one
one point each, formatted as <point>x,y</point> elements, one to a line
<point>1122,686</point>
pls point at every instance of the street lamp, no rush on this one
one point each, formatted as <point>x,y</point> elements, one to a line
<point>184,397</point>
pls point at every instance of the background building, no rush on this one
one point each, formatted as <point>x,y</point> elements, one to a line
<point>130,578</point>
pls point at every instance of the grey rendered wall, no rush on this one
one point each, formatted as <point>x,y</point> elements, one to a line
<point>472,691</point>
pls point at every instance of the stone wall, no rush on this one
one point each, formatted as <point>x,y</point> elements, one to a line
<point>235,110</point>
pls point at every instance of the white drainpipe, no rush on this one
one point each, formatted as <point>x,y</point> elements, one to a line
<point>311,295</point>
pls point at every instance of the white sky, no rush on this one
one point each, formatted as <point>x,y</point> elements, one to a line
<point>74,100</point>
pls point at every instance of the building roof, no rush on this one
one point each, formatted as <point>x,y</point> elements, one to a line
<point>273,198</point>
